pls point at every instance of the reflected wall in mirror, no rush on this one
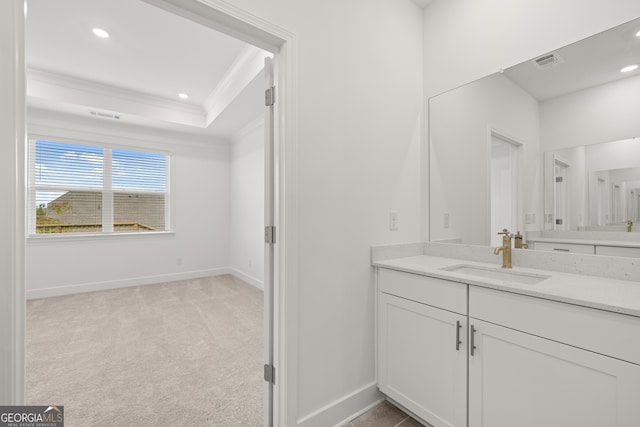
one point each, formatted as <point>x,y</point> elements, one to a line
<point>572,97</point>
<point>593,187</point>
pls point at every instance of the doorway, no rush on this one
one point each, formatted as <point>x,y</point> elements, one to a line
<point>213,17</point>
<point>504,185</point>
<point>602,216</point>
<point>561,193</point>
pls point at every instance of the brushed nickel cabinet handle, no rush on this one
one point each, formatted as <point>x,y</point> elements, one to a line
<point>472,346</point>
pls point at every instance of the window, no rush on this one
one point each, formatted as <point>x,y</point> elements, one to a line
<point>86,189</point>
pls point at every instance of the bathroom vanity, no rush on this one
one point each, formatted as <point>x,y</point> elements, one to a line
<point>595,243</point>
<point>466,343</point>
<point>554,341</point>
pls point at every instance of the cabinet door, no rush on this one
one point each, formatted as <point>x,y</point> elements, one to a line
<point>517,379</point>
<point>419,364</point>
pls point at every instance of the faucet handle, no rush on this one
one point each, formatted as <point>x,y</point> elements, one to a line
<point>504,231</point>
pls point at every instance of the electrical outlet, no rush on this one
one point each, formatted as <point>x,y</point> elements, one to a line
<point>446,220</point>
<point>393,220</point>
<point>179,261</point>
<point>530,218</point>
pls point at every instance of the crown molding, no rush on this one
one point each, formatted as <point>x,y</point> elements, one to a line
<point>244,69</point>
<point>56,124</point>
<point>66,89</point>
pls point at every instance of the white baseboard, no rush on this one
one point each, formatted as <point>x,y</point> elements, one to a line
<point>247,278</point>
<point>344,409</point>
<point>123,283</point>
<point>360,412</point>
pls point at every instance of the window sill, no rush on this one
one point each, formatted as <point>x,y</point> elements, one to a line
<point>94,236</point>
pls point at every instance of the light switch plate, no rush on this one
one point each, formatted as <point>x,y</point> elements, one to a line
<point>393,220</point>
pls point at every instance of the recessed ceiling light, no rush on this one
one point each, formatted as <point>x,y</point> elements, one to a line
<point>628,68</point>
<point>183,95</point>
<point>101,33</point>
<point>638,34</point>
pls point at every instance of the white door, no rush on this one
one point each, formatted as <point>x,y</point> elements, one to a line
<point>504,187</point>
<point>422,360</point>
<point>617,210</point>
<point>561,192</point>
<point>517,379</point>
<point>270,242</point>
<point>601,196</point>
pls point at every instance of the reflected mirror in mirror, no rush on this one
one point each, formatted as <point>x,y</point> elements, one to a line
<point>593,187</point>
<point>572,97</point>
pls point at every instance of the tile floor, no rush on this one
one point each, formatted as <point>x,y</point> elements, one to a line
<point>384,415</point>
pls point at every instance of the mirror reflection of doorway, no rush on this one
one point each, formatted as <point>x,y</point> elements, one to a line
<point>616,204</point>
<point>600,202</point>
<point>561,194</point>
<point>504,186</point>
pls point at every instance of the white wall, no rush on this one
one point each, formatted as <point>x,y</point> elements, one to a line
<point>200,198</point>
<point>246,228</point>
<point>461,121</point>
<point>359,103</point>
<point>600,114</point>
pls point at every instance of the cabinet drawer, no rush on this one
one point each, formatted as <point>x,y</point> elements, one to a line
<point>444,294</point>
<point>618,251</point>
<point>600,331</point>
<point>562,247</point>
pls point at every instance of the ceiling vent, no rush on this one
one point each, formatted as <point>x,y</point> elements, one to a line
<point>104,115</point>
<point>548,60</point>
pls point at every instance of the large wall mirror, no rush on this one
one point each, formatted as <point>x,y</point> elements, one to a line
<point>549,144</point>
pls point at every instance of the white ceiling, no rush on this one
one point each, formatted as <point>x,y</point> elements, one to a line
<point>137,73</point>
<point>590,62</point>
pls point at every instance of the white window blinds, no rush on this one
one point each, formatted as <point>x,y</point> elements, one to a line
<point>86,189</point>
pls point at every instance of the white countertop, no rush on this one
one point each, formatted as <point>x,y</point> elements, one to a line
<point>614,295</point>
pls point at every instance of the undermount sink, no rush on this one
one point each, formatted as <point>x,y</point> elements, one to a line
<point>500,274</point>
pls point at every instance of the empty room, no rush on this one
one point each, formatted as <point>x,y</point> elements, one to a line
<point>145,258</point>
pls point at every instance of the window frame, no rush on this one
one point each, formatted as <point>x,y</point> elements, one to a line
<point>108,147</point>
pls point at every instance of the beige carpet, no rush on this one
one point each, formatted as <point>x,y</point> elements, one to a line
<point>174,354</point>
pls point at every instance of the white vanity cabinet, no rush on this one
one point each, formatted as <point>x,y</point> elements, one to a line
<point>468,355</point>
<point>422,346</point>
<point>618,251</point>
<point>562,247</point>
<point>542,363</point>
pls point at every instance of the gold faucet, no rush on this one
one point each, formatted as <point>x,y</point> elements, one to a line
<point>629,225</point>
<point>505,249</point>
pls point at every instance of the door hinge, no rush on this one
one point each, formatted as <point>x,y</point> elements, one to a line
<point>270,374</point>
<point>270,234</point>
<point>270,96</point>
